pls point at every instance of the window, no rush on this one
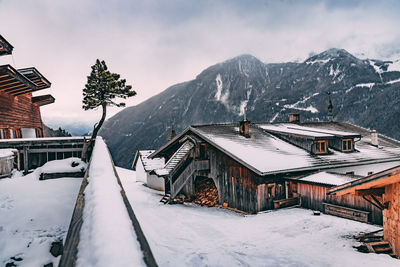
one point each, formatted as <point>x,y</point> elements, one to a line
<point>320,146</point>
<point>347,145</point>
<point>2,134</point>
<point>12,133</point>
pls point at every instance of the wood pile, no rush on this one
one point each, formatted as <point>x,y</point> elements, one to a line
<point>206,193</point>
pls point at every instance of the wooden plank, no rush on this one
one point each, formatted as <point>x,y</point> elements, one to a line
<point>46,176</point>
<point>55,150</point>
<point>340,211</point>
<point>282,203</point>
<point>70,252</point>
<point>371,191</point>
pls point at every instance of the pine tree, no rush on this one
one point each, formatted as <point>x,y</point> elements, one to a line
<point>102,89</point>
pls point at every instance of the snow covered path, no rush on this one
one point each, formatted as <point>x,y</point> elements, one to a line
<point>33,214</point>
<point>188,235</point>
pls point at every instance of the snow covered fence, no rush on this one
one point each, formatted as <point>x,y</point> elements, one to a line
<point>104,230</point>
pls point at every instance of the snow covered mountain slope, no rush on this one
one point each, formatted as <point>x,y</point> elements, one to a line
<point>365,92</point>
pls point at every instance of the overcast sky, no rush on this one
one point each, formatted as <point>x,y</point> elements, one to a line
<point>155,44</point>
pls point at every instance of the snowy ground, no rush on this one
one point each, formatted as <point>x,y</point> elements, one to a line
<point>188,235</point>
<point>33,214</point>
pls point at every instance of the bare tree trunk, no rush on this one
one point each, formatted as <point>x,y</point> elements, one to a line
<point>97,128</point>
<point>87,151</point>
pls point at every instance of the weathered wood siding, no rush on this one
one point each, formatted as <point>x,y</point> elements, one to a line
<point>240,187</point>
<point>313,196</point>
<point>19,112</point>
<point>391,216</point>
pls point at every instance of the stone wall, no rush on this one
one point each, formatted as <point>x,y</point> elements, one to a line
<point>391,216</point>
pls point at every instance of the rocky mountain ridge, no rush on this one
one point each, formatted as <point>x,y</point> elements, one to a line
<point>364,91</point>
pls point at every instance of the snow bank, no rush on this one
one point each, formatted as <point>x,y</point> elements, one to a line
<point>63,165</point>
<point>7,152</point>
<point>201,236</point>
<point>107,237</point>
<point>33,214</point>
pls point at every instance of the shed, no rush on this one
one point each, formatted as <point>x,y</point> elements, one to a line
<point>312,190</point>
<point>382,190</point>
<point>145,166</point>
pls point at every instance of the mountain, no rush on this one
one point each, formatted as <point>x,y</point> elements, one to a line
<point>75,128</point>
<point>363,91</point>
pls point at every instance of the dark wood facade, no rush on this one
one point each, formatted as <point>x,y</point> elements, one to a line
<point>238,186</point>
<point>242,186</point>
<point>19,112</point>
<point>313,196</point>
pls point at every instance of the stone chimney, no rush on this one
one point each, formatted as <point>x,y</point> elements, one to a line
<point>374,138</point>
<point>244,128</point>
<point>294,117</point>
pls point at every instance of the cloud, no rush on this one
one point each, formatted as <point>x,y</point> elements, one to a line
<point>155,44</point>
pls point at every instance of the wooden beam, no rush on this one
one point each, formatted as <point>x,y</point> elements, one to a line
<point>45,150</point>
<point>372,191</point>
<point>7,81</point>
<point>380,182</point>
<point>26,162</point>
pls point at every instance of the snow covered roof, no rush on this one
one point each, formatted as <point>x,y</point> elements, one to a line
<point>7,152</point>
<point>329,178</point>
<point>308,132</point>
<point>148,163</point>
<point>266,154</point>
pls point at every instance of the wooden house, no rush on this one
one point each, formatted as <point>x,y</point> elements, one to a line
<point>383,191</point>
<point>19,110</point>
<point>145,167</point>
<point>255,167</point>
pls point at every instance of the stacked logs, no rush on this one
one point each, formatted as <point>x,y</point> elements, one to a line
<point>206,193</point>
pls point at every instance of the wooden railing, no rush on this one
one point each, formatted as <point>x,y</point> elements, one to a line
<point>34,152</point>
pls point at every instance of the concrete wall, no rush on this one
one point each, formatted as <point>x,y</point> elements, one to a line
<point>391,216</point>
<point>141,175</point>
<point>154,182</point>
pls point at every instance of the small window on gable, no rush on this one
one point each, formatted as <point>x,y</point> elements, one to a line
<point>347,145</point>
<point>320,146</point>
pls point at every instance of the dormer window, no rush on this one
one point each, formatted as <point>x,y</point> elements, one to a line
<point>320,146</point>
<point>347,145</point>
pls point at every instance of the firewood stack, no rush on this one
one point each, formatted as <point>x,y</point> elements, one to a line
<point>206,193</point>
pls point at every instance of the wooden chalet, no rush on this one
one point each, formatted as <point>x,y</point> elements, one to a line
<point>19,110</point>
<point>256,167</point>
<point>383,191</point>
